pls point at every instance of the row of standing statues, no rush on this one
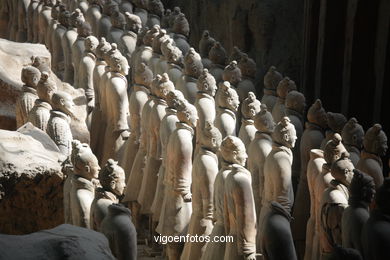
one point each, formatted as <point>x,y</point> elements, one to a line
<point>186,146</point>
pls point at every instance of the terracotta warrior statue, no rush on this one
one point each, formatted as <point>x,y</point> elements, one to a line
<point>353,134</point>
<point>167,127</point>
<point>314,169</point>
<point>104,25</point>
<point>112,180</point>
<point>29,20</point>
<point>177,208</point>
<point>119,229</point>
<point>240,212</point>
<point>218,58</point>
<point>53,23</point>
<point>118,22</point>
<point>93,15</point>
<point>140,10</point>
<point>40,113</point>
<point>227,102</point>
<point>44,20</point>
<point>232,73</point>
<point>174,58</point>
<point>138,97</point>
<point>156,46</point>
<point>85,167</point>
<point>58,126</point>
<point>277,172</point>
<point>193,68</point>
<point>154,156</point>
<point>181,30</point>
<point>155,12</point>
<point>83,30</point>
<point>36,18</point>
<point>277,239</point>
<point>57,61</point>
<point>67,42</point>
<point>235,55</point>
<point>128,41</point>
<point>30,77</point>
<point>333,151</point>
<point>40,63</point>
<point>98,124</point>
<point>375,146</point>
<point>271,81</point>
<point>361,195</point>
<point>284,87</point>
<point>312,137</point>
<point>248,71</point>
<point>336,122</point>
<point>250,107</point>
<point>117,130</point>
<point>375,234</point>
<point>126,6</point>
<point>136,174</point>
<point>205,45</point>
<point>204,171</point>
<point>334,201</point>
<point>258,150</point>
<point>86,68</point>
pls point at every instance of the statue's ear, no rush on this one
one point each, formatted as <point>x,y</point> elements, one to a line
<point>87,168</point>
<point>286,137</point>
<point>112,184</point>
<point>62,101</point>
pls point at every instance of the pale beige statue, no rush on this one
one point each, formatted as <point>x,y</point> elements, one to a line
<point>240,212</point>
<point>248,71</point>
<point>30,20</point>
<point>258,151</point>
<point>57,60</point>
<point>126,6</point>
<point>205,45</point>
<point>162,66</point>
<point>117,130</point>
<point>138,97</point>
<point>167,126</point>
<point>85,71</point>
<point>181,30</point>
<point>375,146</point>
<point>156,46</point>
<point>118,23</point>
<point>232,73</point>
<point>136,174</point>
<point>68,39</point>
<point>284,87</point>
<point>60,117</point>
<point>44,20</point>
<point>271,81</point>
<point>36,14</point>
<point>83,31</point>
<point>53,22</point>
<point>30,76</point>
<point>155,12</point>
<point>140,10</point>
<point>333,203</point>
<point>333,151</point>
<point>277,171</point>
<point>83,5</point>
<point>97,122</point>
<point>204,171</point>
<point>128,41</point>
<point>85,167</point>
<point>112,181</point>
<point>227,101</point>
<point>93,15</point>
<point>193,68</point>
<point>40,113</point>
<point>154,156</point>
<point>312,137</point>
<point>218,58</point>
<point>175,64</point>
<point>353,134</point>
<point>250,107</point>
<point>177,207</point>
<point>104,25</point>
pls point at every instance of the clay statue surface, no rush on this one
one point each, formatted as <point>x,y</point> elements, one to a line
<point>104,25</point>
<point>249,108</point>
<point>361,194</point>
<point>336,123</point>
<point>277,171</point>
<point>375,145</point>
<point>30,77</point>
<point>218,58</point>
<point>205,45</point>
<point>181,30</point>
<point>333,202</point>
<point>227,101</point>
<point>40,113</point>
<point>128,41</point>
<point>247,67</point>
<point>204,171</point>
<point>58,126</point>
<point>93,15</point>
<point>232,73</point>
<point>284,87</point>
<point>58,52</point>
<point>277,239</point>
<point>271,81</point>
<point>86,168</point>
<point>83,31</point>
<point>120,232</point>
<point>353,134</point>
<point>112,180</point>
<point>116,31</point>
<point>177,209</point>
<point>240,213</point>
